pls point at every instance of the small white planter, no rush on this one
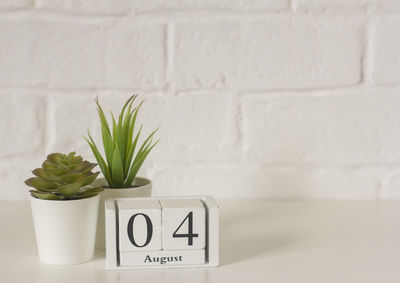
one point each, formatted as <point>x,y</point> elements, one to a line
<point>142,188</point>
<point>65,229</point>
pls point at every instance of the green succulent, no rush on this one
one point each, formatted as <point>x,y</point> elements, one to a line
<point>63,177</point>
<point>121,164</point>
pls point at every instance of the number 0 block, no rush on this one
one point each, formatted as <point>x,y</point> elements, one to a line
<point>139,225</point>
<point>184,224</point>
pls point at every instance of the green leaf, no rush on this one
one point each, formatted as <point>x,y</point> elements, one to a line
<point>137,164</point>
<point>114,125</point>
<point>128,115</point>
<point>132,148</point>
<point>119,142</point>
<point>54,170</point>
<point>100,160</point>
<point>74,161</point>
<point>84,167</point>
<point>69,189</point>
<point>71,154</point>
<point>45,196</point>
<point>46,175</point>
<point>103,119</point>
<point>89,179</point>
<point>89,192</point>
<point>54,158</point>
<point>108,145</point>
<point>132,124</point>
<point>70,178</point>
<point>122,129</point>
<point>148,139</point>
<point>41,185</point>
<point>127,125</point>
<point>117,172</point>
<point>121,115</point>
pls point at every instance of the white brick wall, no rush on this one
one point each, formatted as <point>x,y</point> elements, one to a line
<point>149,6</point>
<point>279,99</point>
<point>386,56</point>
<point>343,127</point>
<point>16,4</point>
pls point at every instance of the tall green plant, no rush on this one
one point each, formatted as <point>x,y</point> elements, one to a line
<point>121,164</point>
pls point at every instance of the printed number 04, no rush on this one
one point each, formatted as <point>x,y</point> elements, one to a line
<point>190,235</point>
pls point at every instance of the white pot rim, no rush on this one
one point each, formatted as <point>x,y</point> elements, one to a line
<point>63,200</point>
<point>102,182</point>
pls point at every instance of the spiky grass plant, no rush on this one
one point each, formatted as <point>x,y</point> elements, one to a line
<point>120,164</point>
<point>63,177</point>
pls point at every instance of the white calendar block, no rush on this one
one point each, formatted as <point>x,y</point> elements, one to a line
<point>162,258</point>
<point>139,225</point>
<point>162,232</point>
<point>184,224</point>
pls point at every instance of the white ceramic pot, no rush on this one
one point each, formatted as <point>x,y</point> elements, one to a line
<point>65,229</point>
<point>141,188</point>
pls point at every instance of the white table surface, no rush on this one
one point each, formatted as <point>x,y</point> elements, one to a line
<point>260,241</point>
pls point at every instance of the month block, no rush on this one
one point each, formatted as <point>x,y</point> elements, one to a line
<point>184,224</point>
<point>139,225</point>
<point>162,258</point>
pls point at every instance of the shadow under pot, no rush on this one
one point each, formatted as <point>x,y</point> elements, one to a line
<point>141,187</point>
<point>65,229</point>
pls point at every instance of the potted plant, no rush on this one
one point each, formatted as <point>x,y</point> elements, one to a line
<point>64,209</point>
<point>122,160</point>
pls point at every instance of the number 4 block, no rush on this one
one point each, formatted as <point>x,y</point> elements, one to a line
<point>183,224</point>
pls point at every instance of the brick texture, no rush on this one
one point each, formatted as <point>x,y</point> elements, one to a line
<point>268,54</point>
<point>79,55</point>
<point>160,6</point>
<point>341,129</point>
<point>22,123</point>
<point>353,6</point>
<point>273,99</point>
<point>15,4</point>
<point>386,58</point>
<point>275,182</point>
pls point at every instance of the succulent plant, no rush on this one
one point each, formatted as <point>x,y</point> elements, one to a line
<point>63,177</point>
<point>121,164</point>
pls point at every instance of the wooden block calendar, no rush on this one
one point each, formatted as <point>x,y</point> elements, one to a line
<point>162,232</point>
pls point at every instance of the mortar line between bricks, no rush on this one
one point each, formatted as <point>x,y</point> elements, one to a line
<point>381,183</point>
<point>293,6</point>
<point>248,164</point>
<point>367,44</point>
<point>363,59</point>
<point>178,16</point>
<point>170,56</point>
<point>359,91</point>
<point>275,90</point>
<point>239,131</point>
<point>81,89</point>
<point>49,125</point>
<point>240,126</point>
<point>378,190</point>
<point>323,92</point>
